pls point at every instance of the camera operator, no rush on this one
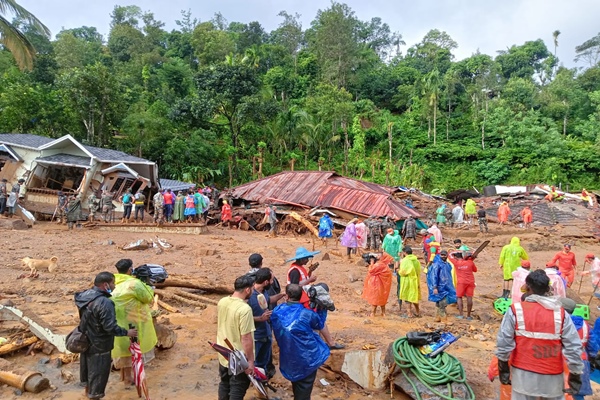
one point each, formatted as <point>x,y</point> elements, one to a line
<point>133,299</point>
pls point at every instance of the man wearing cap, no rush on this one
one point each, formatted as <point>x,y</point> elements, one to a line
<point>439,283</point>
<point>519,277</point>
<point>565,260</point>
<point>298,274</point>
<point>482,219</point>
<point>235,323</point>
<point>583,330</point>
<point>537,337</point>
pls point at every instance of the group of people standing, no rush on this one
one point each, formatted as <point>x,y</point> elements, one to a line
<point>9,198</point>
<point>115,310</point>
<point>251,316</point>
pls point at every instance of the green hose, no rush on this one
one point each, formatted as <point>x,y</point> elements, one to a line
<point>443,369</point>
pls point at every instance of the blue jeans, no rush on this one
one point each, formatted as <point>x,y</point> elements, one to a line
<point>263,349</point>
<point>168,211</point>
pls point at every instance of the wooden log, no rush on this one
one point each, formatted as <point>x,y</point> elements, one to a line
<point>29,382</point>
<point>12,347</point>
<point>168,307</point>
<point>194,284</point>
<point>192,296</point>
<point>172,296</point>
<point>305,222</point>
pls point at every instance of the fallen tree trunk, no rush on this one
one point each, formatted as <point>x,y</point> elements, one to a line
<point>305,222</point>
<point>12,347</point>
<point>204,286</point>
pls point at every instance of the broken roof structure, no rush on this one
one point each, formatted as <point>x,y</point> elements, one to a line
<point>51,165</point>
<point>309,189</point>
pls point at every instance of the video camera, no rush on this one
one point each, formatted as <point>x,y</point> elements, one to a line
<point>150,274</point>
<point>319,297</point>
<point>368,256</point>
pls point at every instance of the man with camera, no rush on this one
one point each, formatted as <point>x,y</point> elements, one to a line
<point>302,351</point>
<point>133,299</point>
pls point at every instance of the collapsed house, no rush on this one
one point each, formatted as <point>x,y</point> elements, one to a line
<point>52,165</point>
<point>323,189</point>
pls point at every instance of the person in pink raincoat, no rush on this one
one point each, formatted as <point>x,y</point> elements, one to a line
<point>349,238</point>
<point>519,280</point>
<point>361,235</point>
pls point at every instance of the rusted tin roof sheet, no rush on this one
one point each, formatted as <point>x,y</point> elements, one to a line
<point>325,189</point>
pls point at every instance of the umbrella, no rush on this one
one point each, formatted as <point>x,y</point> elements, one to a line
<point>137,364</point>
<point>238,364</point>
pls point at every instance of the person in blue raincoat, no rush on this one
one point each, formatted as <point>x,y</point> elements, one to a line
<point>325,227</point>
<point>301,349</point>
<point>439,284</point>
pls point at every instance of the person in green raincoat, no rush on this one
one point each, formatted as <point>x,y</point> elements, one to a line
<point>410,289</point>
<point>510,259</point>
<point>440,214</point>
<point>133,300</point>
<point>392,245</point>
<point>178,208</point>
<point>200,204</point>
<point>470,210</point>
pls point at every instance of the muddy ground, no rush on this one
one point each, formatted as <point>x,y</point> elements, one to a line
<point>189,370</point>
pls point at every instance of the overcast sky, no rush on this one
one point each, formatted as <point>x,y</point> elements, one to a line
<point>475,24</point>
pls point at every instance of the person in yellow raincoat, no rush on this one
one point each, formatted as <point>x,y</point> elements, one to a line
<point>470,210</point>
<point>410,288</point>
<point>510,259</point>
<point>133,299</point>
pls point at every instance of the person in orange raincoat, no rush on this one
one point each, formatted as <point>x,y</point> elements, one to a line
<point>527,216</point>
<point>226,213</point>
<point>503,213</point>
<point>378,283</point>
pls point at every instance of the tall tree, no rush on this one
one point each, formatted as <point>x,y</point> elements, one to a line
<point>589,51</point>
<point>13,39</point>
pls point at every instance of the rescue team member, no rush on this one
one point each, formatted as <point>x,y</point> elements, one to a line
<point>566,263</point>
<point>537,337</point>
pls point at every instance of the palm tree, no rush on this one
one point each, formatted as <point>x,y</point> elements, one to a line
<point>432,83</point>
<point>555,35</point>
<point>13,39</point>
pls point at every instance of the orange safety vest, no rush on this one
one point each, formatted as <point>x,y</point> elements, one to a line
<point>537,335</point>
<point>300,269</point>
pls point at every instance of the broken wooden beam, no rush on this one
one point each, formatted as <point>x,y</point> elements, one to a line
<point>175,297</point>
<point>32,382</point>
<point>192,296</point>
<point>168,307</point>
<point>305,222</point>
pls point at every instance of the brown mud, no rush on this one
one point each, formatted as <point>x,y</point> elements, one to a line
<point>190,369</point>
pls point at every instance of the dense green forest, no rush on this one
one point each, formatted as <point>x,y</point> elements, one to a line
<point>227,102</point>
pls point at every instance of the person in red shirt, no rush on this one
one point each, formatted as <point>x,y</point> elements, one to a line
<point>465,277</point>
<point>169,200</point>
<point>565,260</point>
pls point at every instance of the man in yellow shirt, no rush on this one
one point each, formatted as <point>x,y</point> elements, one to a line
<point>235,322</point>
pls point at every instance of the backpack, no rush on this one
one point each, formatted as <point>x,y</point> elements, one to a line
<point>77,341</point>
<point>127,199</point>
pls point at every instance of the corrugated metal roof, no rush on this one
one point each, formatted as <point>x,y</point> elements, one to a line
<point>175,185</point>
<point>326,189</point>
<point>114,155</point>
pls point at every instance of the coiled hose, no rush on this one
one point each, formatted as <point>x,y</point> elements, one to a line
<point>439,370</point>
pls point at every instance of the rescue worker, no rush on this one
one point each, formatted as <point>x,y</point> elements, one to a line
<point>107,206</point>
<point>537,337</point>
<point>61,206</point>
<point>374,239</point>
<point>159,203</point>
<point>93,203</point>
<point>482,219</point>
<point>566,262</point>
<point>527,216</point>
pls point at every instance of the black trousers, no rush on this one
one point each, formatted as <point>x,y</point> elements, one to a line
<point>232,387</point>
<point>93,373</point>
<point>139,210</point>
<point>2,205</point>
<point>127,211</point>
<point>303,388</point>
